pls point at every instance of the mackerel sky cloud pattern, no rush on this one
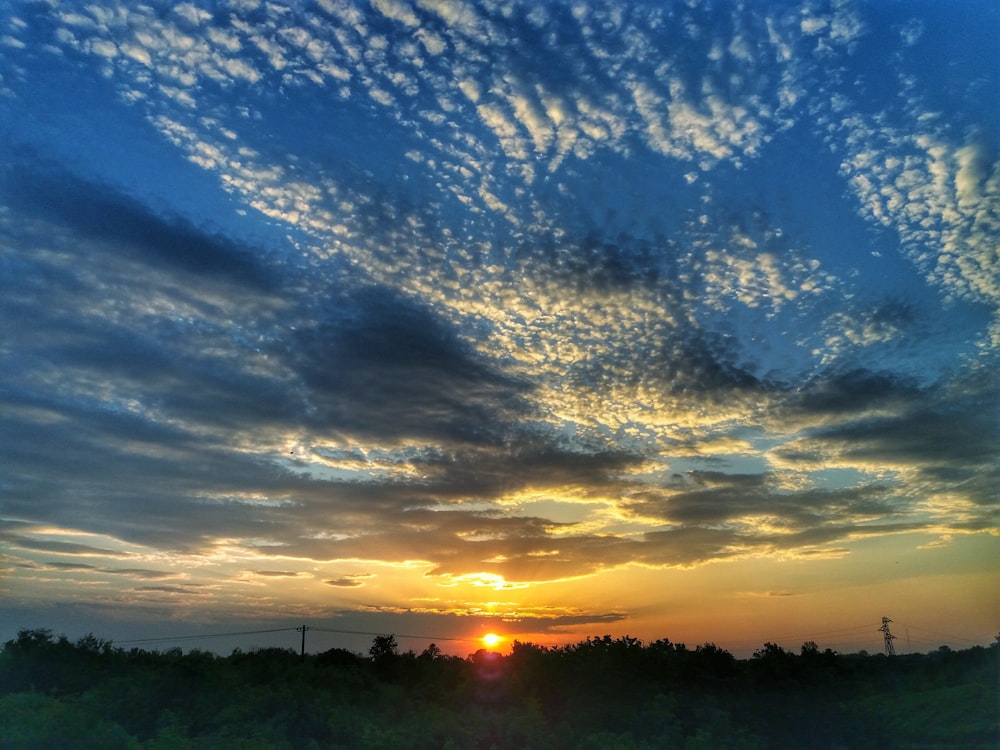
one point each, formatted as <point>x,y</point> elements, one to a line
<point>357,308</point>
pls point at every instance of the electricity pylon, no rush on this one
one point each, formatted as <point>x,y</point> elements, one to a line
<point>890,650</point>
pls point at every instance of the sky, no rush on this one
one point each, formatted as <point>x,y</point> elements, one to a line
<point>555,319</point>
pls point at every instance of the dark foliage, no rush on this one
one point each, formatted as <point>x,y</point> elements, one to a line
<point>601,694</point>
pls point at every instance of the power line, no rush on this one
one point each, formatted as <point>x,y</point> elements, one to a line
<point>199,637</point>
<point>856,629</point>
<point>301,629</point>
<point>943,635</point>
<point>397,635</point>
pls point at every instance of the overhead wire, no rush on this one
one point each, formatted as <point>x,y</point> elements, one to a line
<point>853,630</point>
<point>200,637</point>
<point>395,635</point>
<point>939,634</point>
<point>311,628</point>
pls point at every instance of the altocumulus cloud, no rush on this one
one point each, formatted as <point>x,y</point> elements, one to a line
<point>493,294</point>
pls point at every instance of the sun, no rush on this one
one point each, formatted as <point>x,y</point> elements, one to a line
<point>490,640</point>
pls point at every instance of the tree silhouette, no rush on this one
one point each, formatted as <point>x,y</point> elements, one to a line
<point>384,648</point>
<point>430,653</point>
<point>601,693</point>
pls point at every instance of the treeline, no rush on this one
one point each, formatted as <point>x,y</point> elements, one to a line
<point>600,694</point>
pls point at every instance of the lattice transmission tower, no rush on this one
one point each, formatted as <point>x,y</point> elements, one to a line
<point>890,650</point>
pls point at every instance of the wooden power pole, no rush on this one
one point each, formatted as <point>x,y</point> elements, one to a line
<point>303,629</point>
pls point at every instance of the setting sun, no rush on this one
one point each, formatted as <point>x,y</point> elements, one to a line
<point>490,640</point>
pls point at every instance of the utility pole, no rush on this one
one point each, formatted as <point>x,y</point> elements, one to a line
<point>303,629</point>
<point>890,650</point>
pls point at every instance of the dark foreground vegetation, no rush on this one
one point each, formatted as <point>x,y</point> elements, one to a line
<point>600,694</point>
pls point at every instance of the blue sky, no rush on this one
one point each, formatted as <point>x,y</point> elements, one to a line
<point>547,317</point>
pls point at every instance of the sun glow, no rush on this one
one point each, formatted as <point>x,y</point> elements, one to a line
<point>490,640</point>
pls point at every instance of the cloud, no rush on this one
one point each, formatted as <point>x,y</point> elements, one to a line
<point>141,402</point>
<point>191,13</point>
<point>941,196</point>
<point>559,623</point>
<point>391,368</point>
<point>348,582</point>
<point>710,107</point>
<point>940,440</point>
<point>188,589</point>
<point>768,594</point>
<point>79,567</point>
<point>142,573</point>
<point>929,438</point>
<point>397,10</point>
<point>758,514</point>
<point>276,573</point>
<point>58,547</point>
<point>103,215</point>
<point>881,324</point>
<point>912,31</point>
<point>851,395</point>
<point>949,422</point>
